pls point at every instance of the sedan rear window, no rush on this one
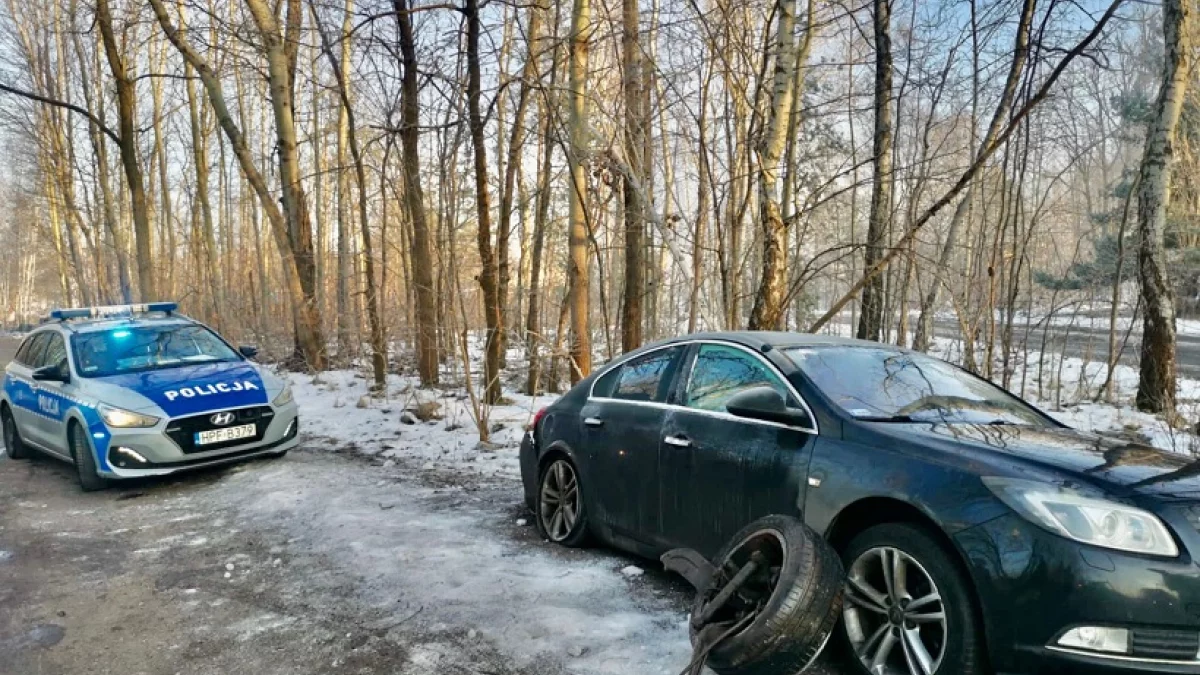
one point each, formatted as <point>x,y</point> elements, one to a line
<point>890,385</point>
<point>645,378</point>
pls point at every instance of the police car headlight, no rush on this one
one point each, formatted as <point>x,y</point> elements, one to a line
<point>284,397</point>
<point>125,419</point>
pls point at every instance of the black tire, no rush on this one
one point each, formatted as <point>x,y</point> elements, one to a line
<point>801,612</point>
<point>14,447</point>
<point>575,533</point>
<point>85,460</point>
<point>959,639</point>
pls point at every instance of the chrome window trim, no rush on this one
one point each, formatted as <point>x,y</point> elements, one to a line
<point>814,429</point>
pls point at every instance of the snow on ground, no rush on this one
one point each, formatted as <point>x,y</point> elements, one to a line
<point>336,405</point>
<point>448,563</point>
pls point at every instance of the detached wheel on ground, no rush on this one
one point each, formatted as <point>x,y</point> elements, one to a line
<point>14,447</point>
<point>909,608</point>
<point>561,516</point>
<point>85,459</point>
<point>788,597</point>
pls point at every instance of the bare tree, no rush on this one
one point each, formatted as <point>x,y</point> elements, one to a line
<point>870,322</point>
<point>414,199</point>
<point>1156,380</point>
<point>578,266</point>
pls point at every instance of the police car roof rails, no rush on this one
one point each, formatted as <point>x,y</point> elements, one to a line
<point>113,311</point>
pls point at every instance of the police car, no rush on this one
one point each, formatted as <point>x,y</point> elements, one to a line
<point>138,390</point>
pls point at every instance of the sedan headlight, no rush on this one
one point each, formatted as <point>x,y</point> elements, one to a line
<point>125,419</point>
<point>1085,519</point>
<point>284,397</point>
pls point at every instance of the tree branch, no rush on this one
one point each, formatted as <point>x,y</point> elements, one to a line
<point>62,104</point>
<point>984,153</point>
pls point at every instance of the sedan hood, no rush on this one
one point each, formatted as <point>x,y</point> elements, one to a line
<point>192,389</point>
<point>1121,467</point>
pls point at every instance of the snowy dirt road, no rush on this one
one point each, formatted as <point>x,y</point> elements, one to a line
<point>323,562</point>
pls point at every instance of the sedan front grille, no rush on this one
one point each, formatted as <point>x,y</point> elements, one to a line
<point>1171,645</point>
<point>184,429</point>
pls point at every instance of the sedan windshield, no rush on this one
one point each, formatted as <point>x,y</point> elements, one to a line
<point>141,348</point>
<point>886,385</point>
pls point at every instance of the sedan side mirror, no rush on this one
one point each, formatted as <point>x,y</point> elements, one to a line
<point>56,373</point>
<point>764,403</point>
<point>248,351</point>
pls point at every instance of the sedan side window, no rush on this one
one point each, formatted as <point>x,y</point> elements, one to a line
<point>646,378</point>
<point>722,372</point>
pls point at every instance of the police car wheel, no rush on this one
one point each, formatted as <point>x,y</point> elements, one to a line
<point>14,447</point>
<point>85,460</point>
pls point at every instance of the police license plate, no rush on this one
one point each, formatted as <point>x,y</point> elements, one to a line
<point>224,435</point>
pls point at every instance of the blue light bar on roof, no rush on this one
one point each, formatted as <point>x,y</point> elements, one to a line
<point>112,311</point>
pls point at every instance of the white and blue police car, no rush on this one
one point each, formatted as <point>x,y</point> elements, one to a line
<point>139,390</point>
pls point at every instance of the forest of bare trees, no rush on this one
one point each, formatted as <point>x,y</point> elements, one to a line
<point>374,181</point>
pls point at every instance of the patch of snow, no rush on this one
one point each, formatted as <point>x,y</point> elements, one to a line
<point>632,571</point>
<point>450,566</point>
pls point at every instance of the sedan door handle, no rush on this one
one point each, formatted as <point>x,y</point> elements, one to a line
<point>593,421</point>
<point>677,441</point>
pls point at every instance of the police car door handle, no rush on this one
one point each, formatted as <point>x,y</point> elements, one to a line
<point>593,421</point>
<point>677,441</point>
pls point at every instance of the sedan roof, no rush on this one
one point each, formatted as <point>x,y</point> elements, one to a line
<point>780,339</point>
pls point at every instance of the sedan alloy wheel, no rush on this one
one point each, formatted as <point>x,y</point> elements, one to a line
<point>894,613</point>
<point>558,501</point>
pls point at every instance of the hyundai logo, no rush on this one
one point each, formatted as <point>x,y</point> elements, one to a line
<point>222,418</point>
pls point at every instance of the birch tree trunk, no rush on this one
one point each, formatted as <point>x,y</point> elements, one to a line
<point>1156,378</point>
<point>771,299</point>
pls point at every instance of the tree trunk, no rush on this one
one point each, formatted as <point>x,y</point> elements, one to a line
<point>414,198</point>
<point>345,257</point>
<point>130,160</point>
<point>578,276</point>
<point>207,241</point>
<point>636,122</point>
<point>489,281</point>
<point>534,337</point>
<point>771,300</point>
<point>107,199</point>
<point>374,320</point>
<point>870,322</point>
<point>1156,379</point>
<point>308,324</point>
<point>310,345</point>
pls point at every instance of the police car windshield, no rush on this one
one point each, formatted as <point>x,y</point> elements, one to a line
<point>131,349</point>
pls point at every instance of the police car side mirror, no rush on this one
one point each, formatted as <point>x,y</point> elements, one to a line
<point>51,374</point>
<point>248,351</point>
